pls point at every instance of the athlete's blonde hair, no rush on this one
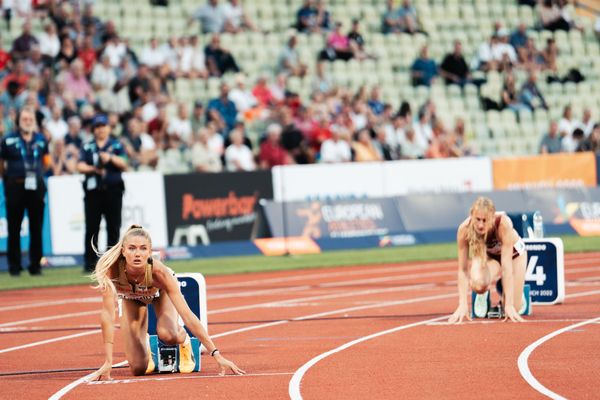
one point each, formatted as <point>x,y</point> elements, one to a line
<point>477,241</point>
<point>112,257</point>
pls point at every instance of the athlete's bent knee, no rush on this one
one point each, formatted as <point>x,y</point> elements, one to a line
<point>480,286</point>
<point>167,336</point>
<point>138,369</point>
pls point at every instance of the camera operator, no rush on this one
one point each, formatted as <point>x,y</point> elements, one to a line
<point>102,161</point>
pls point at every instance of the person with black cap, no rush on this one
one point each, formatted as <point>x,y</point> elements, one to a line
<point>24,159</point>
<point>103,159</point>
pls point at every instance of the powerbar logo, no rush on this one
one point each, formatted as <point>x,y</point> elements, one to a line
<point>229,206</point>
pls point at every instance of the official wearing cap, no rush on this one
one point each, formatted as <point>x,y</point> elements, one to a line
<point>24,159</point>
<point>103,159</point>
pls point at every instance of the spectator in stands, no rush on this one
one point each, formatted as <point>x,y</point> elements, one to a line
<point>64,159</point>
<point>518,39</point>
<point>238,156</point>
<point>140,146</point>
<point>116,50</point>
<point>139,85</point>
<point>323,17</point>
<point>407,15</point>
<point>179,129</point>
<point>357,41</point>
<point>293,140</point>
<point>18,77</point>
<point>77,85</point>
<point>336,149</point>
<point>204,158</point>
<point>22,45</point>
<point>49,43</point>
<point>411,147</point>
<point>551,142</point>
<point>236,20</point>
<point>243,98</point>
<point>552,16</point>
<point>458,142</point>
<point>384,150</point>
<point>567,124</point>
<point>222,111</point>
<point>422,128</point>
<point>5,61</point>
<point>363,147</point>
<point>198,119</point>
<point>390,20</point>
<point>192,62</point>
<point>339,46</point>
<point>211,17</point>
<point>454,68</point>
<point>424,69</point>
<point>289,60</point>
<point>34,65</point>
<point>572,142</point>
<point>103,80</point>
<point>74,137</point>
<point>592,142</point>
<point>88,18</point>
<point>550,55</point>
<point>306,18</point>
<point>509,97</point>
<point>55,127</point>
<point>530,57</point>
<point>152,55</point>
<point>66,55</point>
<point>587,122</point>
<point>322,83</point>
<point>262,93</point>
<point>88,55</point>
<point>531,94</point>
<point>374,102</point>
<point>438,143</point>
<point>271,151</point>
<point>219,60</point>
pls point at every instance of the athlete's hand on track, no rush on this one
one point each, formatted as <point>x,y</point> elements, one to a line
<point>225,364</point>
<point>512,314</point>
<point>103,374</point>
<point>459,315</point>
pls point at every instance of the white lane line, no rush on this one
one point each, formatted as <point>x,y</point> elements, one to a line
<point>58,339</point>
<point>523,364</point>
<point>50,318</point>
<point>180,377</point>
<point>78,382</point>
<point>257,292</point>
<point>299,276</point>
<point>294,385</point>
<point>96,299</point>
<point>282,303</point>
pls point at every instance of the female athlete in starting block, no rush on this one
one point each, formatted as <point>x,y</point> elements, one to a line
<point>128,272</point>
<point>496,251</point>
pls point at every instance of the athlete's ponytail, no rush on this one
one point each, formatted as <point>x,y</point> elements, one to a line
<point>477,241</point>
<point>112,256</point>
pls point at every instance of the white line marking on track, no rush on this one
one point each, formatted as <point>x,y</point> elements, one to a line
<point>78,382</point>
<point>58,339</point>
<point>523,364</point>
<point>50,318</point>
<point>294,385</point>
<point>173,378</point>
<point>97,299</point>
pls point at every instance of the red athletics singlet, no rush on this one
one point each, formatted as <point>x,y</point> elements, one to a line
<point>494,245</point>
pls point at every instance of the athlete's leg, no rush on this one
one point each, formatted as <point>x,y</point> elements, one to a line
<point>167,327</point>
<point>483,275</point>
<point>134,325</point>
<point>519,265</point>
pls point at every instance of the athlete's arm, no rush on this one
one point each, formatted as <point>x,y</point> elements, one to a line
<point>507,235</point>
<point>462,311</point>
<point>166,281</point>
<point>107,318</point>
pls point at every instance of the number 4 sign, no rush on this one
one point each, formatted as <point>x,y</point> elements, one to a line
<point>545,270</point>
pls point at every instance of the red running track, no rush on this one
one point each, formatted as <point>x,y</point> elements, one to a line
<point>339,333</point>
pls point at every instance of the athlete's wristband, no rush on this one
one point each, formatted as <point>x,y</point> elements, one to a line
<point>212,353</point>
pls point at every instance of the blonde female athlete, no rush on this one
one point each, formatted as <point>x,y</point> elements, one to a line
<point>128,272</point>
<point>496,251</point>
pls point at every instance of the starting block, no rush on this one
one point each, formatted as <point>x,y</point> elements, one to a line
<point>166,357</point>
<point>497,312</point>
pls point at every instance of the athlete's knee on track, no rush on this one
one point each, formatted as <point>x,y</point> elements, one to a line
<point>479,285</point>
<point>138,369</point>
<point>167,336</point>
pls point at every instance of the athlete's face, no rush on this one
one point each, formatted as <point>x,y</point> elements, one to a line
<point>481,221</point>
<point>137,250</point>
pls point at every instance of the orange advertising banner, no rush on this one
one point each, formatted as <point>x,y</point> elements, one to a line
<point>563,170</point>
<point>288,245</point>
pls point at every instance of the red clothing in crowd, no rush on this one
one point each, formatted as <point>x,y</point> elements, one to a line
<point>263,94</point>
<point>318,134</point>
<point>272,154</point>
<point>4,59</point>
<point>89,58</point>
<point>20,79</point>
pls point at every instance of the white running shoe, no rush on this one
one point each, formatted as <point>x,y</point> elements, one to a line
<point>480,308</point>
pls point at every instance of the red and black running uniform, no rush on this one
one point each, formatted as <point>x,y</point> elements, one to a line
<point>494,245</point>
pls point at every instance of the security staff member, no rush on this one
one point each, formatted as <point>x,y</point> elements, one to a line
<point>24,159</point>
<point>102,161</point>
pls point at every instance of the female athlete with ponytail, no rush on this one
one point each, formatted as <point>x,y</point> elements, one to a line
<point>128,272</point>
<point>496,251</point>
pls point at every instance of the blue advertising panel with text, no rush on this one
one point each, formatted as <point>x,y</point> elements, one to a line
<point>545,270</point>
